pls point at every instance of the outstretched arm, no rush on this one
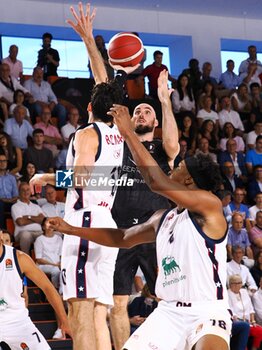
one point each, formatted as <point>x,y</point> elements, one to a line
<point>169,126</point>
<point>31,271</point>
<point>144,233</point>
<point>84,27</point>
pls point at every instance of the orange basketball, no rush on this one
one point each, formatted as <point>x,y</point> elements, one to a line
<point>125,49</point>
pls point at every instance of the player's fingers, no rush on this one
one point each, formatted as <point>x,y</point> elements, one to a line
<point>74,13</point>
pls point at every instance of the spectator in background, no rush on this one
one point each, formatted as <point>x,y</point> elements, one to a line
<point>19,98</point>
<point>203,146</point>
<point>206,74</point>
<point>235,267</point>
<point>237,206</point>
<point>252,135</point>
<point>194,74</point>
<point>252,75</point>
<point>188,132</point>
<point>8,190</point>
<point>257,207</point>
<point>18,128</point>
<point>183,153</point>
<point>257,303</point>
<point>252,51</point>
<point>44,97</point>
<point>227,114</point>
<point>27,217</point>
<point>36,193</point>
<point>225,197</point>
<point>238,236</point>
<point>229,132</point>
<point>256,100</point>
<point>8,85</point>
<point>230,180</point>
<point>254,156</point>
<point>183,98</point>
<point>13,154</point>
<point>255,185</point>
<point>100,44</point>
<point>152,72</point>
<point>71,126</point>
<point>141,307</point>
<point>53,208</point>
<point>48,58</point>
<point>242,308</point>
<point>16,66</point>
<point>208,90</point>
<point>241,102</point>
<point>237,158</point>
<point>209,131</point>
<point>256,270</point>
<point>41,157</point>
<point>255,233</point>
<point>48,248</point>
<point>206,113</point>
<point>229,79</point>
<point>52,137</point>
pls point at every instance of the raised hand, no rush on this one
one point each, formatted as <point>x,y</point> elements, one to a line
<point>84,21</point>
<point>122,119</point>
<point>162,90</point>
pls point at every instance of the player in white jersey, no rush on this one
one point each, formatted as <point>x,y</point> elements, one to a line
<point>194,311</point>
<point>87,268</point>
<point>16,328</point>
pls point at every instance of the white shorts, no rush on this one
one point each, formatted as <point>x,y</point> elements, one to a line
<point>23,335</point>
<point>172,327</point>
<point>87,267</point>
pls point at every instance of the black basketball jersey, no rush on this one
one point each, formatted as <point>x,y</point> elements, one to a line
<point>136,204</point>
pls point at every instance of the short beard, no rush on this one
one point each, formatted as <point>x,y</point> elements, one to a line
<point>143,129</point>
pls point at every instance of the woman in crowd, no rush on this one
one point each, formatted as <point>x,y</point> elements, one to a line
<point>188,132</point>
<point>182,98</point>
<point>208,130</point>
<point>13,154</point>
<point>229,132</point>
<point>208,90</point>
<point>242,308</point>
<point>19,98</point>
<point>256,270</point>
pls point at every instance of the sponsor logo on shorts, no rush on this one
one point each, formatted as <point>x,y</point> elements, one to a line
<point>24,346</point>
<point>64,178</point>
<point>3,304</point>
<point>153,346</point>
<point>9,264</point>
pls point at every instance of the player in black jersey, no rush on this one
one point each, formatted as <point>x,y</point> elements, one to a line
<point>136,204</point>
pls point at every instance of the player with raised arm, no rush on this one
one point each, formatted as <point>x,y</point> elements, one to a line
<point>191,252</point>
<point>16,328</point>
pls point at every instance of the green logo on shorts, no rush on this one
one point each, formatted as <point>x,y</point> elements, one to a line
<point>169,265</point>
<point>3,304</point>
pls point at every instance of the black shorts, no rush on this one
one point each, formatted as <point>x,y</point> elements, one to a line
<point>127,263</point>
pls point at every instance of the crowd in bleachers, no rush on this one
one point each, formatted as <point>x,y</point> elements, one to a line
<point>221,118</point>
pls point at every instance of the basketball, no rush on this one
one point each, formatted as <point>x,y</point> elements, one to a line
<point>125,49</point>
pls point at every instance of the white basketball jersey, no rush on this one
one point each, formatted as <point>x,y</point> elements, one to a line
<point>12,305</point>
<point>100,187</point>
<point>192,266</point>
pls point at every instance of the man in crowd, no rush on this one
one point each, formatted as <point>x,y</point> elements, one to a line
<point>16,66</point>
<point>48,58</point>
<point>43,96</point>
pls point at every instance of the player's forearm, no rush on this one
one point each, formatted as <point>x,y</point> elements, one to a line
<point>169,130</point>
<point>105,236</point>
<point>96,61</point>
<point>56,302</point>
<point>151,172</point>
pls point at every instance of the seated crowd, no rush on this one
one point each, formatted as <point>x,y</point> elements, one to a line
<point>220,118</point>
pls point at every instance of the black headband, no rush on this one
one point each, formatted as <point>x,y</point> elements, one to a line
<point>198,175</point>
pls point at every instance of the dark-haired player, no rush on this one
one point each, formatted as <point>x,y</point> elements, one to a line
<point>191,252</point>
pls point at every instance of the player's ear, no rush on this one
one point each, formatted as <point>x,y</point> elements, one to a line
<point>188,180</point>
<point>156,123</point>
<point>89,107</point>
